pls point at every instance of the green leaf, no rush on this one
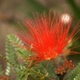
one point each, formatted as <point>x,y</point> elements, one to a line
<point>10,55</point>
<point>44,71</point>
<point>22,73</point>
<point>74,75</point>
<point>1,71</point>
<point>77,77</point>
<point>19,46</point>
<point>15,48</point>
<point>49,65</point>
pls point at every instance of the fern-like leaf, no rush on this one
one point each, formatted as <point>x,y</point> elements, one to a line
<point>74,75</point>
<point>19,46</point>
<point>15,48</point>
<point>10,55</point>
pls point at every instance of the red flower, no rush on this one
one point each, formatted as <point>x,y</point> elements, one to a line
<point>48,36</point>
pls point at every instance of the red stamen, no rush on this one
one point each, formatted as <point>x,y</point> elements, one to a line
<point>48,35</point>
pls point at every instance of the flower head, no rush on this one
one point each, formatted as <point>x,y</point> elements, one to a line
<point>48,36</point>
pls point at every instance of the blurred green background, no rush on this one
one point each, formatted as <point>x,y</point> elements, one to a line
<point>14,11</point>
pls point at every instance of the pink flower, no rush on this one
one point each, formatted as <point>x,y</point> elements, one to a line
<point>48,36</point>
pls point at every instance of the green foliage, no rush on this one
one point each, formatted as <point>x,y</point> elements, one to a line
<point>19,46</point>
<point>13,49</point>
<point>10,55</point>
<point>43,71</point>
<point>77,77</point>
<point>74,75</point>
<point>50,67</point>
<point>1,71</point>
<point>22,73</point>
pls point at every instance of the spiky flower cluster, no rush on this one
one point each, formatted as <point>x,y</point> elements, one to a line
<point>48,36</point>
<point>67,65</point>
